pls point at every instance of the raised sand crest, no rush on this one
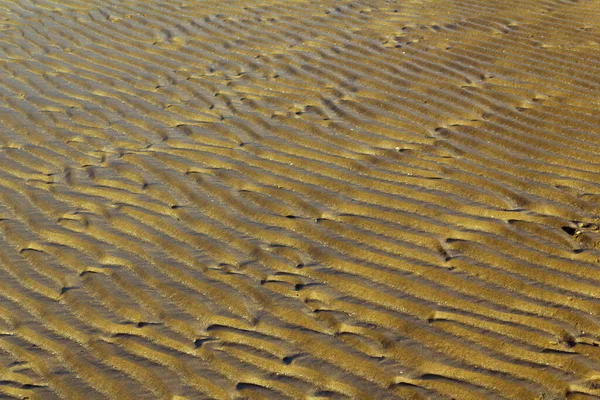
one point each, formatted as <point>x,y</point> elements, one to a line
<point>299,199</point>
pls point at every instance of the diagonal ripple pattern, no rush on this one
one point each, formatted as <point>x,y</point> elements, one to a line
<point>299,199</point>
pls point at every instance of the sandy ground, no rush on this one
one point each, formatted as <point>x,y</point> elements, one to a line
<point>299,199</point>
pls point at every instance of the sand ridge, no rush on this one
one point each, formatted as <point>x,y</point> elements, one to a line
<point>299,199</point>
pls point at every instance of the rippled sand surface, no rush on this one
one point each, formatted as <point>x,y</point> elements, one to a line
<point>299,199</point>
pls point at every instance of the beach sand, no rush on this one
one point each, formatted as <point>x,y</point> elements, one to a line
<point>299,199</point>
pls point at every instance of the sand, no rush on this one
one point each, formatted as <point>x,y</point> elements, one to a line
<point>299,199</point>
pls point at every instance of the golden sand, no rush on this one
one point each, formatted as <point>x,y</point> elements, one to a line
<point>299,199</point>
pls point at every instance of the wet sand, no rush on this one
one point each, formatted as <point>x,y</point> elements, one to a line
<point>299,199</point>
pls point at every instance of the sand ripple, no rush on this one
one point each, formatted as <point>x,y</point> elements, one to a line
<point>299,199</point>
